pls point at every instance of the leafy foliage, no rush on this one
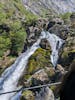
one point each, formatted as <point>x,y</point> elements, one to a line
<point>12,31</point>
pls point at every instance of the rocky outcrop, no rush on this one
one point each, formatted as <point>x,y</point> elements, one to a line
<point>68,53</point>
<point>54,26</point>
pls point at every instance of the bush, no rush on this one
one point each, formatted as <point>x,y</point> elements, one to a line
<point>12,31</point>
<point>17,41</point>
<point>42,56</point>
<point>5,44</point>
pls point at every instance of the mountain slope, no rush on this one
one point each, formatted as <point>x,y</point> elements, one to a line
<point>12,17</point>
<point>58,6</point>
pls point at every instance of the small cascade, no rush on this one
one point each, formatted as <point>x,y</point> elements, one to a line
<point>55,43</point>
<point>11,76</point>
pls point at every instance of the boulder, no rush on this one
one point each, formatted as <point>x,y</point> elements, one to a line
<point>60,69</point>
<point>45,94</point>
<point>41,75</point>
<point>45,44</point>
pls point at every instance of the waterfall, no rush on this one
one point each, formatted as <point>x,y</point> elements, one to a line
<point>10,77</point>
<point>55,43</point>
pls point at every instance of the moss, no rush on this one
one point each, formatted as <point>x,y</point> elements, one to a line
<point>65,54</point>
<point>53,88</point>
<point>27,95</point>
<point>66,17</point>
<point>27,77</point>
<point>40,59</point>
<point>67,57</point>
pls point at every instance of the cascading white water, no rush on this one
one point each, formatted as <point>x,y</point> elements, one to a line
<point>10,77</point>
<point>55,43</point>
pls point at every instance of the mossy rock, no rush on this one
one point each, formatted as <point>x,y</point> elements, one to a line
<point>50,72</point>
<point>40,59</point>
<point>27,95</point>
<point>67,57</point>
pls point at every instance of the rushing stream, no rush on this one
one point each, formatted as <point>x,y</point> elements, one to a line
<point>11,76</point>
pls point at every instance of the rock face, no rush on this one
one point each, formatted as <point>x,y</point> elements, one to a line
<point>54,26</point>
<point>68,54</point>
<point>58,6</point>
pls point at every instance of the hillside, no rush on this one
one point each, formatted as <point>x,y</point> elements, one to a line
<point>56,6</point>
<point>37,47</point>
<point>13,15</point>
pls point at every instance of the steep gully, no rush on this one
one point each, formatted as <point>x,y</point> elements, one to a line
<point>11,76</point>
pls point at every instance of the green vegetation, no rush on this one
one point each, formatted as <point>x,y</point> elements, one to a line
<point>12,31</point>
<point>43,57</point>
<point>27,95</point>
<point>5,44</point>
<point>66,16</point>
<point>67,57</point>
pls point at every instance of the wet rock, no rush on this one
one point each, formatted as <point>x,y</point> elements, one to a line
<point>60,68</point>
<point>41,76</point>
<point>45,94</point>
<point>44,44</point>
<point>50,24</point>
